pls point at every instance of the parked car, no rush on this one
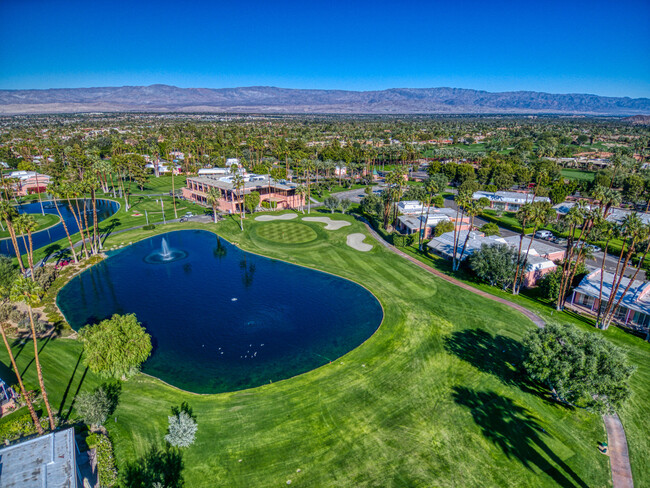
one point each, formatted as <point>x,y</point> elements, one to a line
<point>183,219</point>
<point>543,234</point>
<point>560,241</point>
<point>189,214</point>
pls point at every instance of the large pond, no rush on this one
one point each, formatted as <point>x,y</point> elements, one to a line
<point>105,208</point>
<point>222,319</point>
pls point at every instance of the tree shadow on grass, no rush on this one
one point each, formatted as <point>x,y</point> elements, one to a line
<point>76,393</point>
<point>497,355</point>
<point>158,467</point>
<point>41,347</point>
<point>516,432</point>
<point>67,388</point>
<point>108,229</point>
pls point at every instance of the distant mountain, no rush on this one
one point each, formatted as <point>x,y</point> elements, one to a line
<point>264,99</point>
<point>638,120</point>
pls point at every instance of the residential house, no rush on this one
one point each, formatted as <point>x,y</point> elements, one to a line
<point>634,311</point>
<point>509,201</point>
<point>541,258</point>
<point>412,222</point>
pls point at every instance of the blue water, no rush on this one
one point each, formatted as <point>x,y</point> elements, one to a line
<point>105,208</point>
<point>222,319</point>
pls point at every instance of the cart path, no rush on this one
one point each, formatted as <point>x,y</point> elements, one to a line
<point>618,454</point>
<point>616,441</point>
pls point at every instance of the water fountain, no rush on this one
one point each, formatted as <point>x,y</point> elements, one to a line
<point>165,255</point>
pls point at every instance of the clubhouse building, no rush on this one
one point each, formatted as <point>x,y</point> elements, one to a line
<point>279,194</point>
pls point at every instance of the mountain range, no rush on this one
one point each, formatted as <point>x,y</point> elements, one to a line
<point>264,99</point>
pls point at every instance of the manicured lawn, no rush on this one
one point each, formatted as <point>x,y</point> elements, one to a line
<point>43,222</point>
<point>162,184</point>
<point>577,174</point>
<point>432,399</point>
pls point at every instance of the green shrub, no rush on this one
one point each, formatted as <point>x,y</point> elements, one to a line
<point>401,240</point>
<point>491,229</point>
<point>105,459</point>
<point>442,227</point>
<point>149,227</point>
<point>19,427</point>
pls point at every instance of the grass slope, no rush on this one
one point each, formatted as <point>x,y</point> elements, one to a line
<point>43,222</point>
<point>430,400</point>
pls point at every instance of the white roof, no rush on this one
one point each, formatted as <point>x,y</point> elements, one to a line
<point>509,197</point>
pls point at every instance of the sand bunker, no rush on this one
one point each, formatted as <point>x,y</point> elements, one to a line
<point>330,224</point>
<point>355,241</point>
<point>266,218</point>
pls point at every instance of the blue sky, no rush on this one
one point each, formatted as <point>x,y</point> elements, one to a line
<point>600,47</point>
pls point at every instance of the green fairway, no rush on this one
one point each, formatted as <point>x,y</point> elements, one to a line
<point>433,398</point>
<point>43,222</point>
<point>577,174</point>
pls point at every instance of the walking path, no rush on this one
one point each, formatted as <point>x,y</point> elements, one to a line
<point>618,454</point>
<point>616,441</point>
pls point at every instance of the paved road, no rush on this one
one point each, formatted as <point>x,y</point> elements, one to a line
<point>616,440</point>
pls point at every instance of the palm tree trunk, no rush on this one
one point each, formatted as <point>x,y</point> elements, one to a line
<point>81,232</point>
<point>600,290</point>
<point>607,319</point>
<point>521,241</point>
<point>81,228</point>
<point>523,270</point>
<point>30,255</point>
<point>14,241</point>
<point>40,370</point>
<point>90,242</point>
<point>96,240</point>
<point>65,227</point>
<point>617,284</point>
<point>174,196</point>
<point>23,392</point>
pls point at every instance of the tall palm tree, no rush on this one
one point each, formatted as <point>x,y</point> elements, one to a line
<point>472,208</point>
<point>301,191</point>
<point>8,213</point>
<point>4,293</point>
<point>540,214</point>
<point>523,216</point>
<point>26,224</point>
<point>212,197</point>
<point>28,292</point>
<point>238,184</point>
<point>633,231</point>
<point>56,191</point>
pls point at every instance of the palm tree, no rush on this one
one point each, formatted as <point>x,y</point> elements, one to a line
<point>26,224</point>
<point>238,184</point>
<point>301,191</point>
<point>55,190</point>
<point>539,216</point>
<point>29,292</point>
<point>8,213</point>
<point>472,208</point>
<point>608,231</point>
<point>212,197</point>
<point>23,392</point>
<point>523,216</point>
<point>633,232</point>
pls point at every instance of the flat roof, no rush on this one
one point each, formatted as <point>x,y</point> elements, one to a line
<point>48,461</point>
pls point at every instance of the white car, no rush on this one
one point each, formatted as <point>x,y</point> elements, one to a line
<point>543,234</point>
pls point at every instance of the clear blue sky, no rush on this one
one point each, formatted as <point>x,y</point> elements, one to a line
<point>597,46</point>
